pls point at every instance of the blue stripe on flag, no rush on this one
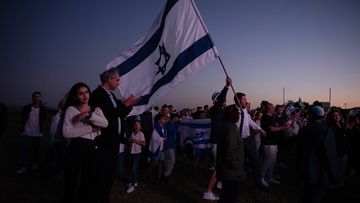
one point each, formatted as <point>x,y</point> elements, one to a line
<point>206,141</point>
<point>187,56</point>
<point>197,125</point>
<point>148,47</point>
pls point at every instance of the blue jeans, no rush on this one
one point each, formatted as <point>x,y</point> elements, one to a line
<point>169,161</point>
<point>136,161</point>
<point>121,169</point>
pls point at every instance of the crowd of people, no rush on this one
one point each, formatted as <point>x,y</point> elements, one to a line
<point>92,134</point>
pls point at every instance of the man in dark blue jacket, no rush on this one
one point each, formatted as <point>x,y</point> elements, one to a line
<point>316,157</point>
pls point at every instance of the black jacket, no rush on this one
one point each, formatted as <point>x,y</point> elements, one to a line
<point>216,115</point>
<point>25,112</point>
<point>110,138</point>
<point>316,155</point>
<point>230,154</point>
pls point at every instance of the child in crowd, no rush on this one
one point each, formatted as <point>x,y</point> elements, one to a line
<point>137,141</point>
<point>156,146</point>
<point>169,146</point>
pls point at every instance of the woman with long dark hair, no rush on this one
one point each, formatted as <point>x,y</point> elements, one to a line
<point>81,124</point>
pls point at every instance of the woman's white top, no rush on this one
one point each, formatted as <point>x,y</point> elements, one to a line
<point>79,129</point>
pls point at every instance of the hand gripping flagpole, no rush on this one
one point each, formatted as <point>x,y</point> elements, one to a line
<point>215,52</point>
<point>227,75</point>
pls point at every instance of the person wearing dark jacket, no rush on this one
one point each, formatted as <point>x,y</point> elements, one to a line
<point>3,118</point>
<point>216,116</point>
<point>230,156</point>
<point>33,118</point>
<point>316,157</point>
<point>336,124</point>
<point>112,139</point>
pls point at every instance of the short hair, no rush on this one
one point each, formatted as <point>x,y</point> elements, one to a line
<point>331,114</point>
<point>263,103</point>
<point>158,117</point>
<point>231,114</point>
<point>239,96</point>
<point>174,115</point>
<point>108,74</point>
<point>267,106</point>
<point>278,106</point>
<point>36,92</point>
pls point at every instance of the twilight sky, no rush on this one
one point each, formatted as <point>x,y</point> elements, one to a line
<point>306,46</point>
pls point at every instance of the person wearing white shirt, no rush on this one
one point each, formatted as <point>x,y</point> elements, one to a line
<point>33,120</point>
<point>137,141</point>
<point>81,125</point>
<point>244,124</point>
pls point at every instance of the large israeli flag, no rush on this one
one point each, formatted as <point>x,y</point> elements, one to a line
<point>176,46</point>
<point>195,132</point>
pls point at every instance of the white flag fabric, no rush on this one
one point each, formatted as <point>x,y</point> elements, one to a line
<point>176,46</point>
<point>195,132</point>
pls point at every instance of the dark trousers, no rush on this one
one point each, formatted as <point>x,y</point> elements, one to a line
<point>121,166</point>
<point>106,163</point>
<point>30,148</point>
<point>229,191</point>
<point>79,171</point>
<point>286,149</point>
<point>135,171</point>
<point>252,155</point>
<point>59,156</point>
<point>312,193</point>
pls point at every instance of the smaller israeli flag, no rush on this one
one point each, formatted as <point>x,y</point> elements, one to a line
<point>195,132</point>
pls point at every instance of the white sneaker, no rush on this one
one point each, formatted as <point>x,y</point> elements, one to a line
<point>210,196</point>
<point>272,180</point>
<point>130,189</point>
<point>264,183</point>
<point>219,185</point>
<point>22,170</point>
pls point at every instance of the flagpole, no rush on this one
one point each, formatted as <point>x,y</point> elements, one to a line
<point>215,52</point>
<point>227,75</point>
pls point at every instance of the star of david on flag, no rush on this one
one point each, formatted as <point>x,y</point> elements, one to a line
<point>176,46</point>
<point>165,56</point>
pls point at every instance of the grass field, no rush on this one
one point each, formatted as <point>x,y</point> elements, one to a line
<point>42,185</point>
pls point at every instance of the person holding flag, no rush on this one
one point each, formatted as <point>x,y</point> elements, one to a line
<point>216,116</point>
